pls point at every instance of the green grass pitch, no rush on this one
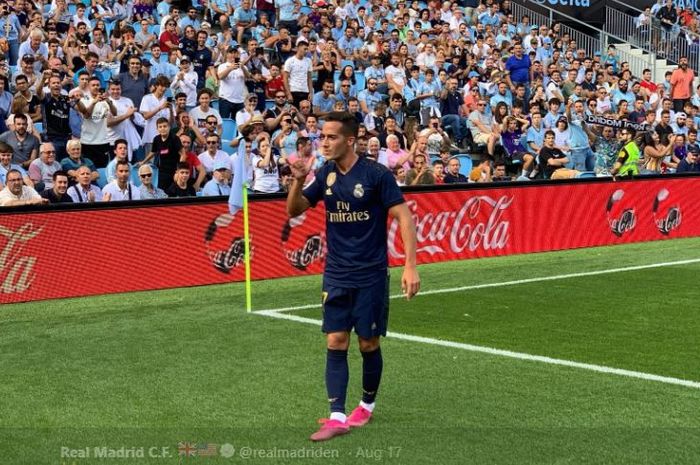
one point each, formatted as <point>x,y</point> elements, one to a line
<point>142,373</point>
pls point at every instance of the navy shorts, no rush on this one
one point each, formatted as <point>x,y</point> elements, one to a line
<point>366,309</point>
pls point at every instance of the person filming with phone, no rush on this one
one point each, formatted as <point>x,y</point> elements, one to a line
<point>95,108</point>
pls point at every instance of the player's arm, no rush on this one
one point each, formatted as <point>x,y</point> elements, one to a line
<point>410,281</point>
<point>296,202</point>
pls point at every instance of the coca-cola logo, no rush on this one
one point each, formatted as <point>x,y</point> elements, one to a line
<point>671,220</point>
<point>311,250</point>
<point>479,223</point>
<point>226,258</point>
<point>16,270</point>
<point>623,222</point>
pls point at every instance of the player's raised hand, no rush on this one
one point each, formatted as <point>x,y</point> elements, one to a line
<point>410,282</point>
<point>299,170</point>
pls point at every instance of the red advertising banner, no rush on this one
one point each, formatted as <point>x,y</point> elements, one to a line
<point>67,253</point>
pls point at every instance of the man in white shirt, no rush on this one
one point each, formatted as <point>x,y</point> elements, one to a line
<point>155,106</point>
<point>185,81</point>
<point>395,75</point>
<point>16,193</point>
<point>121,126</point>
<point>213,156</point>
<point>95,108</point>
<point>231,84</point>
<point>121,188</point>
<point>297,76</point>
<point>35,47</point>
<point>84,191</point>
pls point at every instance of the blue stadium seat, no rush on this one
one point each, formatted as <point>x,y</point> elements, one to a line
<point>345,63</point>
<point>155,29</point>
<point>215,104</point>
<point>39,127</point>
<point>586,174</point>
<point>229,129</point>
<point>226,147</point>
<point>269,104</point>
<point>72,8</point>
<point>360,81</point>
<point>305,10</point>
<point>465,162</point>
<point>102,180</point>
<point>135,179</point>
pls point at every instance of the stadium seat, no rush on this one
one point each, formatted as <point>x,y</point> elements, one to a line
<point>39,127</point>
<point>154,29</point>
<point>305,10</point>
<point>135,179</point>
<point>215,104</point>
<point>72,8</point>
<point>360,82</point>
<point>226,147</point>
<point>465,162</point>
<point>102,180</point>
<point>586,174</point>
<point>269,104</point>
<point>345,63</point>
<point>229,129</point>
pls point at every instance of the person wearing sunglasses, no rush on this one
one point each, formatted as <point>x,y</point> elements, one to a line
<point>147,189</point>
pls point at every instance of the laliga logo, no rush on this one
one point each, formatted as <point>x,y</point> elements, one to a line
<point>626,221</point>
<point>460,229</point>
<point>16,272</point>
<point>672,220</point>
<point>224,260</point>
<point>312,250</point>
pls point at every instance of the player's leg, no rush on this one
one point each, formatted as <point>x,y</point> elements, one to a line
<point>372,316</point>
<point>337,323</point>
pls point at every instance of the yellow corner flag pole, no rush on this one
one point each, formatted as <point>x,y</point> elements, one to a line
<point>246,257</point>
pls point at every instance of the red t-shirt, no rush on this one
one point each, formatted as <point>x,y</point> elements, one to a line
<point>650,86</point>
<point>168,36</point>
<point>273,86</point>
<point>193,162</point>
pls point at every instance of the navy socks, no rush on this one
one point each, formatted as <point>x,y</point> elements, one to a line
<point>337,376</point>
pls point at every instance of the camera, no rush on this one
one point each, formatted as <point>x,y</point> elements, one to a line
<point>169,99</point>
<point>259,51</point>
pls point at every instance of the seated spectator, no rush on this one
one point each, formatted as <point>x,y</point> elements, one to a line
<point>24,145</point>
<point>84,191</point>
<point>147,190</point>
<point>305,153</point>
<point>421,173</point>
<point>16,193</point>
<point>553,161</point>
<point>121,153</point>
<point>453,175</point>
<point>690,163</point>
<point>199,174</point>
<point>180,186</point>
<point>213,155</point>
<point>57,194</point>
<point>6,165</point>
<point>395,155</point>
<point>219,184</point>
<point>42,169</point>
<point>439,171</point>
<point>121,188</point>
<point>75,160</point>
<point>481,172</point>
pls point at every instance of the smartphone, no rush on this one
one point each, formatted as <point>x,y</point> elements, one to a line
<point>169,99</point>
<point>435,125</point>
<point>259,51</point>
<point>236,60</point>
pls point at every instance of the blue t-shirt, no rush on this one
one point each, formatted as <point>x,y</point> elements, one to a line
<point>357,206</point>
<point>519,69</point>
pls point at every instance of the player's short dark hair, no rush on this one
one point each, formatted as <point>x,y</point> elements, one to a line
<point>122,162</point>
<point>182,166</point>
<point>348,122</point>
<point>121,141</point>
<point>59,173</point>
<point>549,132</point>
<point>162,120</point>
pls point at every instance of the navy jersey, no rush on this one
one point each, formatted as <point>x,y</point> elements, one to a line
<point>357,205</point>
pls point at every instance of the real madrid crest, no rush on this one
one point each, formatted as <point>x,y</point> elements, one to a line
<point>359,191</point>
<point>330,180</point>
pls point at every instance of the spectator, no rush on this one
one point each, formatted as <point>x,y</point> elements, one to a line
<point>42,169</point>
<point>57,194</point>
<point>6,165</point>
<point>134,82</point>
<point>121,187</point>
<point>16,193</point>
<point>213,155</point>
<point>199,174</point>
<point>170,154</point>
<point>421,173</point>
<point>482,131</point>
<point>481,172</point>
<point>690,163</point>
<point>219,185</point>
<point>453,175</point>
<point>75,160</point>
<point>84,191</point>
<point>232,84</point>
<point>24,145</point>
<point>155,107</point>
<point>95,108</point>
<point>439,171</point>
<point>297,76</point>
<point>56,112</point>
<point>147,190</point>
<point>553,161</point>
<point>203,111</point>
<point>180,186</point>
<point>121,153</point>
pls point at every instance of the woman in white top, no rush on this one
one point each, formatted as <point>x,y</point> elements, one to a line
<point>248,111</point>
<point>266,175</point>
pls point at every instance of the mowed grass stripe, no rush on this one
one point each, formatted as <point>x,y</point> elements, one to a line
<point>509,283</point>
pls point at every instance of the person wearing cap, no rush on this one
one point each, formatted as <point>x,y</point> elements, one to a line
<point>249,110</point>
<point>219,184</point>
<point>35,47</point>
<point>680,126</point>
<point>186,81</point>
<point>691,162</point>
<point>231,84</point>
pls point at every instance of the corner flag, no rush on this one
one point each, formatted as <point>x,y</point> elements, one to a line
<point>237,200</point>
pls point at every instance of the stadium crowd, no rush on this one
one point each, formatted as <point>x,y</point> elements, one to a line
<point>126,100</point>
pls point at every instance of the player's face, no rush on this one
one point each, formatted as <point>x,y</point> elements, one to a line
<point>334,145</point>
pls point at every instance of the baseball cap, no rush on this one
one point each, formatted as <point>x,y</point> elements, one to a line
<point>473,74</point>
<point>232,49</point>
<point>694,149</point>
<point>680,114</point>
<point>533,27</point>
<point>185,59</point>
<point>28,58</point>
<point>221,165</point>
<point>321,3</point>
<point>145,62</point>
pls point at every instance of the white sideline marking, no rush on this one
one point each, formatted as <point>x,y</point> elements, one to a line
<point>510,283</point>
<point>506,353</point>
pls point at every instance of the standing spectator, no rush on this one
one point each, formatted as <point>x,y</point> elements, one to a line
<point>170,152</point>
<point>202,60</point>
<point>95,108</point>
<point>154,107</point>
<point>231,84</point>
<point>297,76</point>
<point>58,193</point>
<point>10,30</point>
<point>56,113</point>
<point>199,174</point>
<point>121,126</point>
<point>203,112</point>
<point>134,83</point>
<point>681,84</point>
<point>185,81</point>
<point>121,188</point>
<point>266,161</point>
<point>450,100</point>
<point>627,163</point>
<point>24,144</point>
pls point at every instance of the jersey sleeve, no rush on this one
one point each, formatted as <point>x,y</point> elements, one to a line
<point>389,192</point>
<point>314,191</point>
